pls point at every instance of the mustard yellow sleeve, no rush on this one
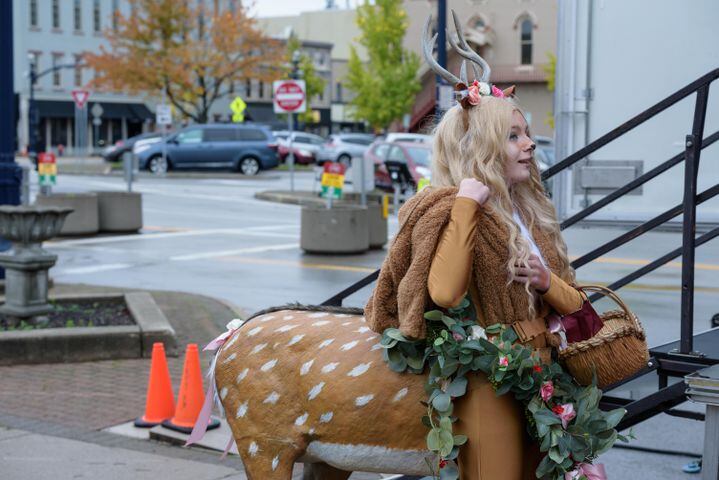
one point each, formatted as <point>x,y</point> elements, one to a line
<point>451,266</point>
<point>563,297</point>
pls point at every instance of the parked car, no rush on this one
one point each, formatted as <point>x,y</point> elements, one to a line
<point>416,155</point>
<point>407,137</point>
<point>304,145</point>
<point>247,148</point>
<point>142,144</point>
<point>341,147</point>
<point>113,153</point>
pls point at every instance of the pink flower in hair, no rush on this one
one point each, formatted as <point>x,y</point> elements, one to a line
<point>496,92</point>
<point>473,95</point>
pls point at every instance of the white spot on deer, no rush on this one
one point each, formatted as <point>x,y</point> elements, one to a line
<point>257,348</point>
<point>326,342</point>
<point>253,449</point>
<point>295,339</point>
<point>242,409</point>
<point>346,323</point>
<point>376,346</point>
<point>223,393</point>
<point>275,345</point>
<point>234,338</point>
<point>342,315</point>
<point>315,391</point>
<point>349,345</point>
<point>371,338</point>
<point>230,358</point>
<point>242,375</point>
<point>326,417</point>
<point>301,419</point>
<point>311,431</point>
<point>266,318</point>
<point>359,369</point>
<point>362,319</point>
<point>286,328</point>
<point>254,331</point>
<point>329,367</point>
<point>275,462</point>
<point>288,317</point>
<point>321,323</point>
<point>306,367</point>
<point>317,315</point>
<point>363,400</point>
<point>400,395</point>
<point>362,330</point>
<point>269,365</point>
<point>272,398</point>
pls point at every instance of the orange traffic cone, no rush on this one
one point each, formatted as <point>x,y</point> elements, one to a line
<point>160,403</point>
<point>191,396</point>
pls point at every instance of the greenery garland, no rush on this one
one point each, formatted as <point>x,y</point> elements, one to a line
<point>563,416</point>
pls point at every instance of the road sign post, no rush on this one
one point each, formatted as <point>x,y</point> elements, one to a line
<point>80,98</point>
<point>289,97</point>
<point>96,112</point>
<point>163,118</point>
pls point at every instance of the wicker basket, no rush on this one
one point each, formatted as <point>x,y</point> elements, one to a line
<point>617,351</point>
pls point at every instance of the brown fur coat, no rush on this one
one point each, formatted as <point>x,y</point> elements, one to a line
<point>400,297</point>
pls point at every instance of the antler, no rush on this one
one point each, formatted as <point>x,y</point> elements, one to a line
<point>464,50</point>
<point>427,47</point>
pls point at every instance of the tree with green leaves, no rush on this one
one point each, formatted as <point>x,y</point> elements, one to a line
<point>385,87</point>
<point>314,83</point>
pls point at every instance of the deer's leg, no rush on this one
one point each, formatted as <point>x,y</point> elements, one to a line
<point>322,471</point>
<point>265,461</point>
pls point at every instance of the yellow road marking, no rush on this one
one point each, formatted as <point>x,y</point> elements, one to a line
<point>639,261</point>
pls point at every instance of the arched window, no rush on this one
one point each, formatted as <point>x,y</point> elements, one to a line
<point>526,41</point>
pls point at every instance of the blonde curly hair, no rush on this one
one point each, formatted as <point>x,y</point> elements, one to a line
<point>471,143</point>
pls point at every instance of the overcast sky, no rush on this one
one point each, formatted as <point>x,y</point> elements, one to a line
<point>277,8</point>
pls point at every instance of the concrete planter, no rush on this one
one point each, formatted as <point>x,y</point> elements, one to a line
<point>377,226</point>
<point>119,211</point>
<point>340,229</point>
<point>84,220</point>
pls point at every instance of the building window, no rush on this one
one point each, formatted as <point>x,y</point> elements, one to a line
<point>55,13</point>
<point>232,5</point>
<point>115,14</point>
<point>261,89</point>
<point>56,74</point>
<point>526,41</point>
<point>339,92</point>
<point>78,70</point>
<point>321,95</point>
<point>96,19</point>
<point>248,88</point>
<point>77,16</point>
<point>33,13</point>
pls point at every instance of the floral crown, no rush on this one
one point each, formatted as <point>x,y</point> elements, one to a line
<point>468,95</point>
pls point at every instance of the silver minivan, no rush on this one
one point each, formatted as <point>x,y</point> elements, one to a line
<point>341,147</point>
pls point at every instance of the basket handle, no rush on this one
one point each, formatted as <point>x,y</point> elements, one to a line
<point>610,293</point>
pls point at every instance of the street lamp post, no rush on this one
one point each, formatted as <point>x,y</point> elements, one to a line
<point>441,49</point>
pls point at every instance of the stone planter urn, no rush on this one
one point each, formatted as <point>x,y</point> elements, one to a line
<point>27,263</point>
<point>340,229</point>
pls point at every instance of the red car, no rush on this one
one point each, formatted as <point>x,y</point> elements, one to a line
<point>417,156</point>
<point>302,155</point>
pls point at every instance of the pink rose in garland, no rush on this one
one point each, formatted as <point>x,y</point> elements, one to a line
<point>457,336</point>
<point>503,362</point>
<point>547,390</point>
<point>565,413</point>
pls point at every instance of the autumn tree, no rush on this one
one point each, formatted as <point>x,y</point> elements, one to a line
<point>314,83</point>
<point>189,51</point>
<point>385,87</point>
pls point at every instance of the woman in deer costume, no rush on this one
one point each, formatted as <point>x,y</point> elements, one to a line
<point>309,384</point>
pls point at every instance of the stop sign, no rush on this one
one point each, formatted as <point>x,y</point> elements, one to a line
<point>289,96</point>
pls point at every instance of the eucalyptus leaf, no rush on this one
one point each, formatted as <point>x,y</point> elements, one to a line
<point>446,442</point>
<point>434,315</point>
<point>613,417</point>
<point>433,439</point>
<point>460,440</point>
<point>395,333</point>
<point>441,402</point>
<point>458,387</point>
<point>545,417</point>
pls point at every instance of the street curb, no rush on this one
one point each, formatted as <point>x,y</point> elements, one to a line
<point>309,198</point>
<point>81,344</point>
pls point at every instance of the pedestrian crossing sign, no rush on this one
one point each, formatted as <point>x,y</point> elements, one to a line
<point>238,107</point>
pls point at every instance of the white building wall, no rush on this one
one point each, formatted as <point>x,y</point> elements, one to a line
<point>629,56</point>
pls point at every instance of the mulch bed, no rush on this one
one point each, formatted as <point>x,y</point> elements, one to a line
<point>78,313</point>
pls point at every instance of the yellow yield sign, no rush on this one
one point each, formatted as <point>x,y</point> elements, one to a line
<point>238,107</point>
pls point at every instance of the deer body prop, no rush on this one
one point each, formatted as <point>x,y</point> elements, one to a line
<point>312,386</point>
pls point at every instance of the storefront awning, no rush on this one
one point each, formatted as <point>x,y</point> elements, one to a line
<point>111,110</point>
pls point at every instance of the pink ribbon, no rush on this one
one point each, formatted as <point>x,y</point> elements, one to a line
<point>591,471</point>
<point>203,419</point>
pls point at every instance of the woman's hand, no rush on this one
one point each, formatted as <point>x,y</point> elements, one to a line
<point>474,189</point>
<point>537,275</point>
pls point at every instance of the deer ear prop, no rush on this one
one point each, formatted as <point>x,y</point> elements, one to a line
<point>509,92</point>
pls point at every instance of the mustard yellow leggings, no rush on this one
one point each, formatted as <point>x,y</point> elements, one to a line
<point>498,447</point>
